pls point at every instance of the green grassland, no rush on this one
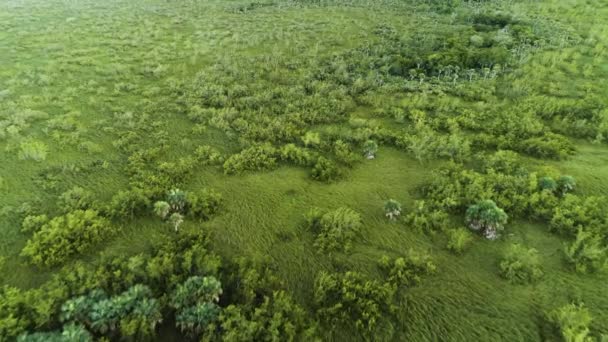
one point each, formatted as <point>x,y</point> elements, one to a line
<point>115,95</point>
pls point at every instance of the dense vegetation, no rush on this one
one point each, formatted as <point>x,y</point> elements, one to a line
<point>304,170</point>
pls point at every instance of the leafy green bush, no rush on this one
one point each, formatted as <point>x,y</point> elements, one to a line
<point>129,203</point>
<point>293,154</point>
<point>352,299</point>
<point>587,252</point>
<point>66,235</point>
<point>566,184</point>
<point>255,158</point>
<point>574,213</point>
<point>427,219</point>
<point>75,198</point>
<point>459,239</point>
<point>325,170</point>
<point>335,229</point>
<point>32,149</point>
<point>521,265</point>
<point>207,155</point>
<point>69,333</point>
<point>573,322</point>
<point>32,223</point>
<point>203,204</point>
<point>408,270</point>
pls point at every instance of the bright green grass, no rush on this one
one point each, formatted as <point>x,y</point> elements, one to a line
<point>63,56</point>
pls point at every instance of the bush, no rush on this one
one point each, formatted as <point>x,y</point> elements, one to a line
<point>32,223</point>
<point>75,198</point>
<point>65,236</point>
<point>574,213</point>
<point>203,204</point>
<point>293,154</point>
<point>34,150</point>
<point>335,229</point>
<point>573,322</point>
<point>408,270</point>
<point>587,253</point>
<point>255,158</point>
<point>325,170</point>
<point>207,155</point>
<point>350,298</point>
<point>129,203</point>
<point>521,265</point>
<point>426,218</point>
<point>458,240</point>
<point>566,184</point>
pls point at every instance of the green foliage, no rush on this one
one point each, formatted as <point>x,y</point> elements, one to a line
<point>162,209</point>
<point>392,209</point>
<point>207,155</point>
<point>34,150</point>
<point>195,302</point>
<point>255,158</point>
<point>427,219</point>
<point>133,313</point>
<point>547,183</point>
<point>573,322</point>
<point>129,203</point>
<point>486,217</point>
<point>66,235</point>
<point>459,240</point>
<point>325,170</point>
<point>70,333</point>
<point>521,265</point>
<point>566,184</point>
<point>76,198</point>
<point>353,300</point>
<point>203,204</point>
<point>408,270</point>
<point>574,213</point>
<point>587,252</point>
<point>32,223</point>
<point>370,148</point>
<point>335,229</point>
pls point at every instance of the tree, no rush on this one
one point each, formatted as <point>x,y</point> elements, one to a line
<point>162,209</point>
<point>176,220</point>
<point>176,199</point>
<point>129,203</point>
<point>486,217</point>
<point>370,148</point>
<point>392,209</point>
<point>566,184</point>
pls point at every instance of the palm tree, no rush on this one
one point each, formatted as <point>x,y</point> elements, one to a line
<point>392,209</point>
<point>486,217</point>
<point>162,209</point>
<point>369,149</point>
<point>176,219</point>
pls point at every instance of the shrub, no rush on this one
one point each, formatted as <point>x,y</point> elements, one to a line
<point>547,183</point>
<point>573,322</point>
<point>521,265</point>
<point>162,209</point>
<point>408,270</point>
<point>75,198</point>
<point>203,204</point>
<point>426,218</point>
<point>207,155</point>
<point>335,229</point>
<point>344,153</point>
<point>32,223</point>
<point>34,150</point>
<point>350,298</point>
<point>486,217</point>
<point>587,253</point>
<point>129,203</point>
<point>574,213</point>
<point>296,155</point>
<point>459,239</point>
<point>255,158</point>
<point>325,170</point>
<point>65,236</point>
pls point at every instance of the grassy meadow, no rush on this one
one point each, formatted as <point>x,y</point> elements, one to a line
<point>106,106</point>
